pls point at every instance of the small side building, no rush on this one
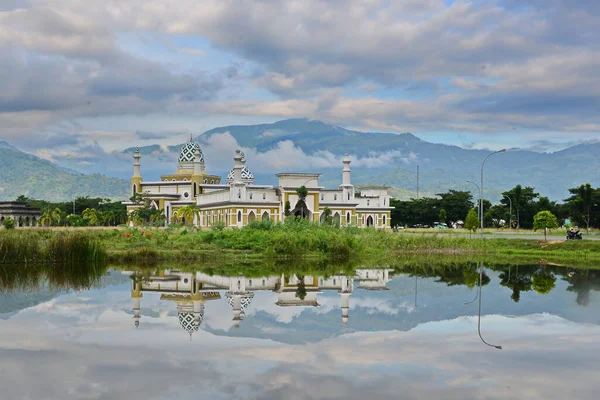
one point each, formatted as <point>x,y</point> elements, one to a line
<point>21,213</point>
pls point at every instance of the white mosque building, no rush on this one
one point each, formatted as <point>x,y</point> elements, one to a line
<point>240,200</point>
<point>191,291</point>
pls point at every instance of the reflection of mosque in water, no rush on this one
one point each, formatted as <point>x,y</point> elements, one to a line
<point>190,291</point>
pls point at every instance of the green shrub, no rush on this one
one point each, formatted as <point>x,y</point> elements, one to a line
<point>8,223</point>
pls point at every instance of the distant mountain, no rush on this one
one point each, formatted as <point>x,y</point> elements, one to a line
<point>22,173</point>
<point>442,167</point>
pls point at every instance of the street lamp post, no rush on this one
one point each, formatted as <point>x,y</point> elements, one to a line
<point>481,198</point>
<point>480,212</point>
<point>509,211</point>
<point>479,313</point>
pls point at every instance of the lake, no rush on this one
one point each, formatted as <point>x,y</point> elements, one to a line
<point>370,333</point>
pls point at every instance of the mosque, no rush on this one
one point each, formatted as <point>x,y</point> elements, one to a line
<point>193,291</point>
<point>239,200</point>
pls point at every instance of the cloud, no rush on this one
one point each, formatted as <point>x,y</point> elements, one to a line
<point>422,66</point>
<point>285,155</point>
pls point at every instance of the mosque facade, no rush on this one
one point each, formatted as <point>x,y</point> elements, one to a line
<point>239,200</point>
<point>193,292</point>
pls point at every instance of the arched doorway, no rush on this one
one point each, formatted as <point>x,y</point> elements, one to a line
<point>251,217</point>
<point>336,219</point>
<point>348,218</point>
<point>265,216</point>
<point>369,221</point>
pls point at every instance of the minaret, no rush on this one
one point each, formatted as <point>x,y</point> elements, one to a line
<point>198,304</point>
<point>237,187</point>
<point>197,176</point>
<point>237,168</point>
<point>136,179</point>
<point>136,296</point>
<point>346,185</point>
<point>345,293</point>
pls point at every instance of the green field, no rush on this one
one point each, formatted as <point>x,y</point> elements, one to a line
<point>291,241</point>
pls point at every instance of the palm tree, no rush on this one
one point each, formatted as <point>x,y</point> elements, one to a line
<point>50,216</point>
<point>93,215</point>
<point>158,216</point>
<point>189,212</point>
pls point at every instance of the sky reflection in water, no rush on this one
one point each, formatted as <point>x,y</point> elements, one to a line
<point>83,345</point>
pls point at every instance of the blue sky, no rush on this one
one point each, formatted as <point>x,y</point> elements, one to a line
<point>481,74</point>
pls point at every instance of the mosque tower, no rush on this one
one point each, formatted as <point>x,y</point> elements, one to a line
<point>136,296</point>
<point>237,190</point>
<point>136,179</point>
<point>345,292</point>
<point>198,172</point>
<point>346,186</point>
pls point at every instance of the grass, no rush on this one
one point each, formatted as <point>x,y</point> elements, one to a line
<point>264,240</point>
<point>47,246</point>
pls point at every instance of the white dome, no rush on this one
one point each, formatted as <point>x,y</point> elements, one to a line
<point>245,301</point>
<point>186,318</point>
<point>187,155</point>
<point>246,175</point>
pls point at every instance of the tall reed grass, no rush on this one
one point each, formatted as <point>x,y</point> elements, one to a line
<point>45,246</point>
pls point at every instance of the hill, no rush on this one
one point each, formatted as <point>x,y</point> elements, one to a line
<point>22,173</point>
<point>392,159</point>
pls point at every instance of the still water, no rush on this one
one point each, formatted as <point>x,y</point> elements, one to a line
<point>373,333</point>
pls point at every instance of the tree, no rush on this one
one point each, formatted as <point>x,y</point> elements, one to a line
<point>456,203</point>
<point>583,201</point>
<point>8,223</point>
<point>50,216</point>
<point>544,220</point>
<point>442,216</point>
<point>543,282</point>
<point>188,213</point>
<point>301,288</point>
<point>523,203</point>
<point>92,215</point>
<point>287,208</point>
<point>326,218</point>
<point>301,209</point>
<point>472,221</point>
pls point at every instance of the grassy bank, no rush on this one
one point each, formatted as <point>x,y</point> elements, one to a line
<point>33,246</point>
<point>288,241</point>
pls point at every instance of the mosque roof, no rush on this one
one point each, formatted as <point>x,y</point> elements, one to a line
<point>246,174</point>
<point>188,152</point>
<point>245,301</point>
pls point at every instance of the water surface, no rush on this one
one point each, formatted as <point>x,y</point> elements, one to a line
<point>373,333</point>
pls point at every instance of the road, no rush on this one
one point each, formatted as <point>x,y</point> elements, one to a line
<point>504,235</point>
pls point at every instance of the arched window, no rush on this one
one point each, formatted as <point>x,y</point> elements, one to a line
<point>206,181</point>
<point>384,201</point>
<point>334,282</point>
<point>348,195</point>
<point>265,216</point>
<point>263,282</point>
<point>195,189</point>
<point>322,196</point>
<point>239,219</point>
<point>250,282</point>
<point>212,181</point>
<point>250,195</point>
<point>368,201</point>
<point>384,219</point>
<point>185,179</point>
<point>348,218</point>
<point>335,197</point>
<point>264,196</point>
<point>239,194</point>
<point>251,216</point>
<point>134,189</point>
